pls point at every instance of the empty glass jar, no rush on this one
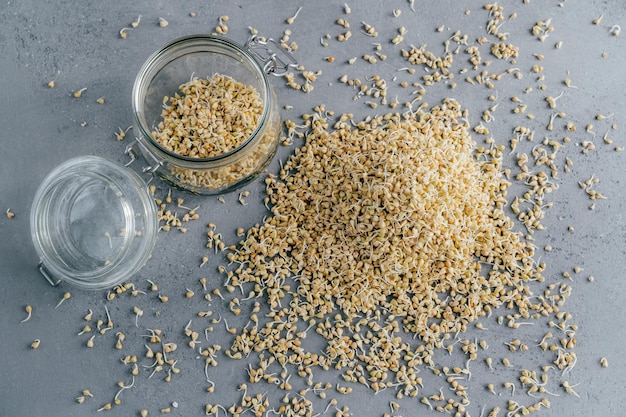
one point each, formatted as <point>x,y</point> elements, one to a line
<point>93,223</point>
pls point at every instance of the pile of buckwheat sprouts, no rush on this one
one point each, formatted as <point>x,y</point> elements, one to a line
<point>397,213</point>
<point>396,223</point>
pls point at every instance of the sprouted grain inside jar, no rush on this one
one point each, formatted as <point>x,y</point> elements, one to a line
<point>213,116</point>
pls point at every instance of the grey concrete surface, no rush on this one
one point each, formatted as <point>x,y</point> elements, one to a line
<point>77,44</point>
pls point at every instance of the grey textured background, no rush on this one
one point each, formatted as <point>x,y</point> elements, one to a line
<point>77,45</point>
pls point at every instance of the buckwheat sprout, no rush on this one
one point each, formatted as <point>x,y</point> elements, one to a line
<point>551,122</point>
<point>425,401</point>
<point>79,93</point>
<point>206,371</point>
<point>123,32</point>
<point>187,328</point>
<point>105,407</point>
<point>231,330</point>
<point>135,23</point>
<point>122,388</point>
<point>138,313</point>
<point>86,393</point>
<point>568,83</point>
<point>85,329</point>
<point>90,343</point>
<point>241,199</point>
<point>615,30</point>
<point>66,296</point>
<point>291,19</point>
<point>511,386</point>
<point>136,292</point>
<point>157,368</point>
<point>153,286</point>
<point>29,311</point>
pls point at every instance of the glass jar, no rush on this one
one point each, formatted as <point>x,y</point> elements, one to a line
<point>93,223</point>
<point>203,56</point>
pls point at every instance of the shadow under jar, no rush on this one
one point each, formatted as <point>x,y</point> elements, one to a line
<point>202,57</point>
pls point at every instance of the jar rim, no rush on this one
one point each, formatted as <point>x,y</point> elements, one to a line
<point>155,63</point>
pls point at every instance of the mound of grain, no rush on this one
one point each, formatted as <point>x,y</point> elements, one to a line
<point>398,214</point>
